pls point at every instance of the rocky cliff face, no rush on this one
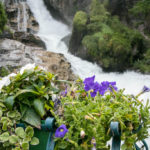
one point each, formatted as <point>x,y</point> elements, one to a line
<point>66,9</point>
<point>20,18</point>
<point>19,45</point>
<point>14,54</point>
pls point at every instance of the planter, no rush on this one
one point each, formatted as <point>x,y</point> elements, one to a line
<point>45,135</point>
<point>116,137</point>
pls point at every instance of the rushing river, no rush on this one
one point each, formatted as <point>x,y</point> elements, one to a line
<point>52,31</point>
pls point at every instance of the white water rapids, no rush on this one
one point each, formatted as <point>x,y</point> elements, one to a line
<point>52,31</point>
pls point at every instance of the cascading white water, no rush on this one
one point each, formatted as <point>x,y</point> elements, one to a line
<point>18,18</point>
<point>24,26</point>
<point>22,13</point>
<point>52,31</point>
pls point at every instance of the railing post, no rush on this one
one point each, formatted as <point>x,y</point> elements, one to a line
<point>116,135</point>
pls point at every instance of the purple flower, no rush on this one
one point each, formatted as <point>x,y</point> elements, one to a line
<point>64,93</point>
<point>56,102</point>
<point>145,89</point>
<point>105,85</point>
<point>95,89</point>
<point>61,131</point>
<point>89,83</point>
<point>113,85</point>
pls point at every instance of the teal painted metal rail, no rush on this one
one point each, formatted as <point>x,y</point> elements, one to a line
<point>116,137</point>
<point>45,135</point>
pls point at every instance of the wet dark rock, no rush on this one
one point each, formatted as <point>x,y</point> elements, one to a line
<point>29,39</point>
<point>66,9</point>
<point>66,39</point>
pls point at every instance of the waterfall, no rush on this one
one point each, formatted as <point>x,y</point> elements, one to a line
<point>22,13</point>
<point>52,31</point>
<point>18,18</point>
<point>24,27</point>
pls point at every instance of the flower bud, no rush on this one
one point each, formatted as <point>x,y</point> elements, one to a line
<point>82,134</point>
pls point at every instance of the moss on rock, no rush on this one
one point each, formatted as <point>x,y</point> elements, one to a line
<point>3,17</point>
<point>4,72</point>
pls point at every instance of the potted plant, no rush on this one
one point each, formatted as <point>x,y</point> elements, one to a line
<point>86,110</point>
<point>25,103</point>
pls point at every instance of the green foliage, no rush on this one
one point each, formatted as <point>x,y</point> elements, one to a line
<point>28,99</point>
<point>144,64</point>
<point>3,18</point>
<point>80,20</point>
<point>93,116</point>
<point>141,7</point>
<point>10,135</point>
<point>3,72</point>
<point>109,42</point>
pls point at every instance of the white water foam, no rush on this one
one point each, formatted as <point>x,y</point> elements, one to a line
<point>52,31</point>
<point>22,13</point>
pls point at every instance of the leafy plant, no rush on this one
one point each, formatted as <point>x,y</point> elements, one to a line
<point>27,98</point>
<point>85,114</point>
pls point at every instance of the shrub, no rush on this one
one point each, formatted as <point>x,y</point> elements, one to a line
<point>109,42</point>
<point>80,21</point>
<point>141,7</point>
<point>143,64</point>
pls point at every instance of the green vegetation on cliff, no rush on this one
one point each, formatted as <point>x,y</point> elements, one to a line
<point>3,72</point>
<point>108,41</point>
<point>142,7</point>
<point>80,20</point>
<point>141,12</point>
<point>3,18</point>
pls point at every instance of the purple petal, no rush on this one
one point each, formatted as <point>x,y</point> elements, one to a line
<point>93,94</point>
<point>61,131</point>
<point>89,80</point>
<point>89,83</point>
<point>145,89</point>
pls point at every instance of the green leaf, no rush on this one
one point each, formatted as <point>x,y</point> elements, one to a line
<point>6,144</point>
<point>29,132</point>
<point>32,118</point>
<point>1,113</point>
<point>2,105</point>
<point>34,141</point>
<point>16,148</point>
<point>13,139</point>
<point>13,114</point>
<point>4,127</point>
<point>9,102</point>
<point>4,137</point>
<point>25,146</point>
<point>26,91</point>
<point>20,132</point>
<point>23,109</point>
<point>39,107</point>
